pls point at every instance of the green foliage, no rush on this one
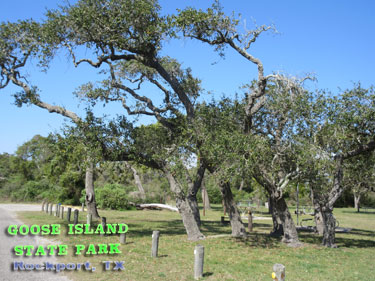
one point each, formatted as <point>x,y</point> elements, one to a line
<point>130,25</point>
<point>111,196</point>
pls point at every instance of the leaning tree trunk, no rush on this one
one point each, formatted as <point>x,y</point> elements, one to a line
<point>192,200</point>
<point>357,198</point>
<point>238,229</point>
<point>290,232</point>
<point>90,193</point>
<point>329,228</point>
<point>137,180</point>
<point>193,189</point>
<point>188,213</point>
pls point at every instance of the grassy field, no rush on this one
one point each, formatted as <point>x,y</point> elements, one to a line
<point>225,258</point>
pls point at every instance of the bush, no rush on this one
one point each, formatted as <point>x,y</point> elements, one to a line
<point>111,196</point>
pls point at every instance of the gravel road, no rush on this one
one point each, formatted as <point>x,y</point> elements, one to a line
<point>7,217</point>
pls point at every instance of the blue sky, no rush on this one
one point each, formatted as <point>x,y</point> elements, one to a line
<point>332,39</point>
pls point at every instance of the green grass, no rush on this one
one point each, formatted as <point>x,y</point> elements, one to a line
<point>225,258</point>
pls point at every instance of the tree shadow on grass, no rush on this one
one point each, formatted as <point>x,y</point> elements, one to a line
<point>259,240</point>
<point>370,212</point>
<point>314,239</point>
<point>171,227</point>
<point>362,232</point>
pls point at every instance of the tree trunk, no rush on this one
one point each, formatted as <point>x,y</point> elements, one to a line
<point>318,216</point>
<point>90,193</point>
<point>241,185</point>
<point>189,219</point>
<point>357,198</point>
<point>238,229</point>
<point>190,214</point>
<point>193,189</point>
<point>329,228</point>
<point>290,232</point>
<point>137,180</point>
<point>205,198</point>
<point>269,205</point>
<point>277,229</point>
<point>191,199</point>
<point>319,221</point>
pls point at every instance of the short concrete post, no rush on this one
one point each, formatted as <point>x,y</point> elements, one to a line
<point>89,219</point>
<point>76,212</point>
<point>278,273</point>
<point>123,238</point>
<point>62,212</point>
<point>250,221</point>
<point>50,209</point>
<point>46,209</point>
<point>104,224</point>
<point>198,261</point>
<point>83,207</point>
<point>69,214</point>
<point>155,243</point>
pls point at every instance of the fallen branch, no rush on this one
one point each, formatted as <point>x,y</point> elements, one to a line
<point>155,206</point>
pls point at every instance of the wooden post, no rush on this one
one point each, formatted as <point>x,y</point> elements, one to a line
<point>43,205</point>
<point>278,273</point>
<point>76,213</point>
<point>57,210</point>
<point>250,221</point>
<point>62,212</point>
<point>123,238</point>
<point>50,209</point>
<point>68,215</point>
<point>104,224</point>
<point>89,219</point>
<point>198,261</point>
<point>46,209</point>
<point>83,207</point>
<point>155,243</point>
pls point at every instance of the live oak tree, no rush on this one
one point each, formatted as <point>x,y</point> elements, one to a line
<point>345,131</point>
<point>359,177</point>
<point>19,43</point>
<point>125,39</point>
<point>220,31</point>
<point>222,145</point>
<point>275,163</point>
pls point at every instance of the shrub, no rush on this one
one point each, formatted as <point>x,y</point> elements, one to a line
<point>110,196</point>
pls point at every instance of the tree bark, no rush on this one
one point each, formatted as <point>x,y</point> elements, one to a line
<point>269,205</point>
<point>186,209</point>
<point>357,198</point>
<point>193,189</point>
<point>238,229</point>
<point>90,193</point>
<point>137,180</point>
<point>318,216</point>
<point>277,229</point>
<point>329,228</point>
<point>192,200</point>
<point>290,235</point>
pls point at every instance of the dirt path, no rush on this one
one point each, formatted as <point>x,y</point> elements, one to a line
<point>7,243</point>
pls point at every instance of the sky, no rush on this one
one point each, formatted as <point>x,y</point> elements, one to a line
<point>334,40</point>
